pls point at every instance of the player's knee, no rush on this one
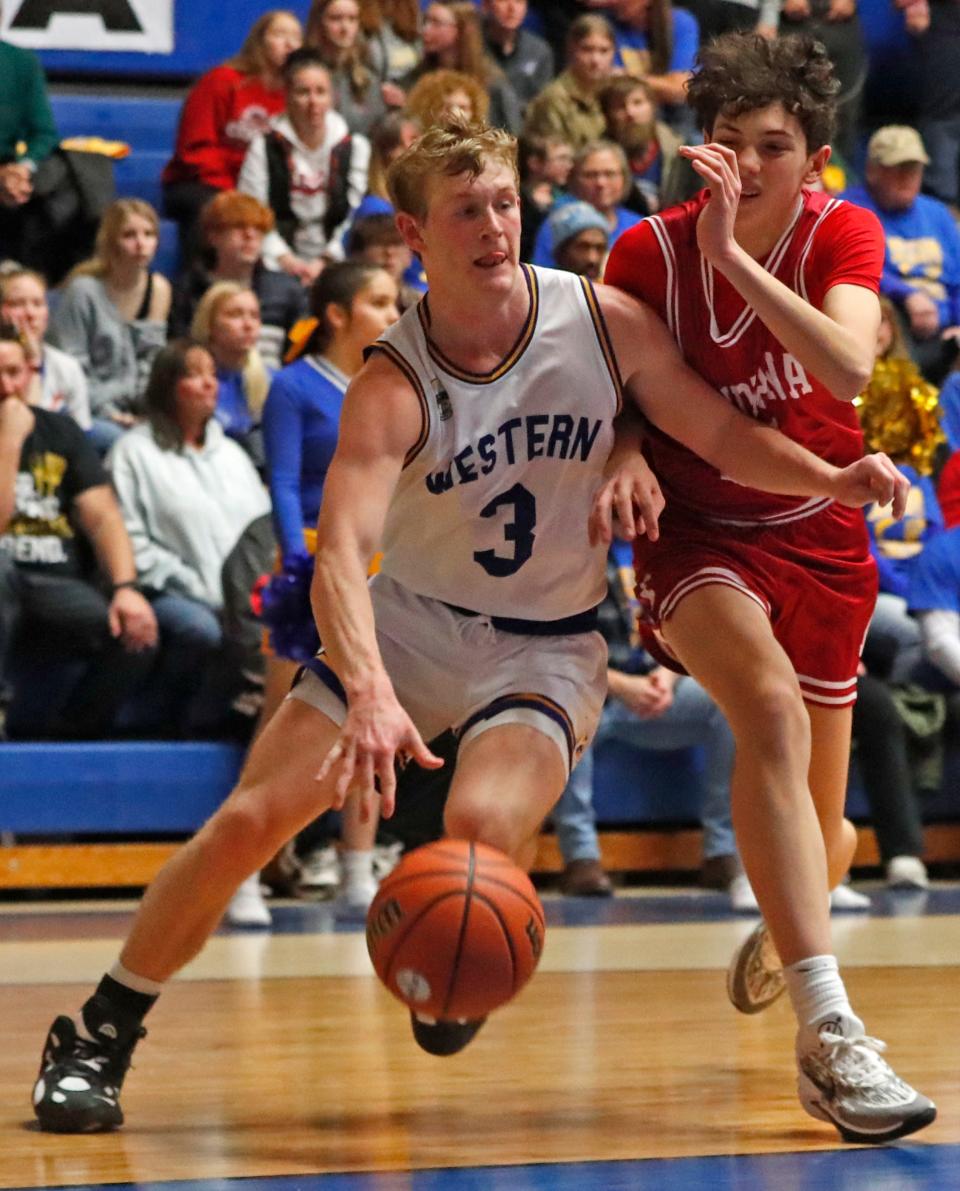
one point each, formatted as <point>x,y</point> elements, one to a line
<point>463,820</point>
<point>777,724</point>
<point>241,835</point>
<point>484,823</point>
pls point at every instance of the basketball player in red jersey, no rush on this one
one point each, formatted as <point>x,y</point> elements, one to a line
<point>770,290</point>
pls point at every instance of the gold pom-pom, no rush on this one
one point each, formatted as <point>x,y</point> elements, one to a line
<point>900,414</point>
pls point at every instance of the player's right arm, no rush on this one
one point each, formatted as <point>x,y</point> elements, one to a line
<point>381,420</point>
<point>684,406</point>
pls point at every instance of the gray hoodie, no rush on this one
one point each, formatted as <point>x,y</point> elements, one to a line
<point>114,354</point>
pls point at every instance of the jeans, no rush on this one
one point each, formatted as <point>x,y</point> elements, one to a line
<point>885,768</point>
<point>187,626</point>
<point>191,637</point>
<point>692,719</point>
<point>57,619</point>
<point>103,433</point>
<point>894,647</point>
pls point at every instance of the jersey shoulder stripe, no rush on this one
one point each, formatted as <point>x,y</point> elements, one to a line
<point>603,338</point>
<point>409,372</point>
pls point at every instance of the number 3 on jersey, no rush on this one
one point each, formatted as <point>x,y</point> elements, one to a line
<point>519,530</point>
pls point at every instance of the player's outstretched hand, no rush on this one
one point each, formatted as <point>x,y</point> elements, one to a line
<point>629,497</point>
<point>874,478</point>
<point>717,166</point>
<point>376,731</point>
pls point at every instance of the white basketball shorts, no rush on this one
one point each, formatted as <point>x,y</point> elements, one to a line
<point>451,670</point>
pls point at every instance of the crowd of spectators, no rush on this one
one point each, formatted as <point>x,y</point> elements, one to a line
<point>135,484</point>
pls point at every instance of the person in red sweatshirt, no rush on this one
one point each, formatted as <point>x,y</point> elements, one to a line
<point>226,108</point>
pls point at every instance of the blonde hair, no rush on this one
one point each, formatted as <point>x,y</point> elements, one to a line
<point>898,349</point>
<point>14,273</point>
<point>256,379</point>
<point>108,234</point>
<point>250,58</point>
<point>451,148</point>
<point>425,103</point>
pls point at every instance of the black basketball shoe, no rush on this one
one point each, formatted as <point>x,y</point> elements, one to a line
<point>444,1037</point>
<point>78,1088</point>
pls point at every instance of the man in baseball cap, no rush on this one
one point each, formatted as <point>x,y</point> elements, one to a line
<point>896,144</point>
<point>579,239</point>
<point>921,272</point>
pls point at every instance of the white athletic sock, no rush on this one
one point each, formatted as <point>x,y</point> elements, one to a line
<point>140,984</point>
<point>817,992</point>
<point>357,868</point>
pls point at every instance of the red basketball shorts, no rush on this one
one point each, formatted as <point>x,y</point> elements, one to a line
<point>815,578</point>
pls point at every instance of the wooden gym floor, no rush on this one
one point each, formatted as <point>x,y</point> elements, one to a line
<point>278,1062</point>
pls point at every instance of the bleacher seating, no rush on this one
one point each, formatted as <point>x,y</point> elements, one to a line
<point>149,126</point>
<point>647,808</point>
<point>666,787</point>
<point>113,788</point>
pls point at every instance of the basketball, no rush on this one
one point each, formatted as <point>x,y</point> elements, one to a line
<point>455,930</point>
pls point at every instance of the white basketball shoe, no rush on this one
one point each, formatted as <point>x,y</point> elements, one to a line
<point>844,1079</point>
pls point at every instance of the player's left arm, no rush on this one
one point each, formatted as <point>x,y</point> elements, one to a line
<point>837,342</point>
<point>677,400</point>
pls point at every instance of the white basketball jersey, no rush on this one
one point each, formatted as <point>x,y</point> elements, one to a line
<point>490,511</point>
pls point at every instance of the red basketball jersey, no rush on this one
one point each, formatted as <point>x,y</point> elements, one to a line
<point>827,242</point>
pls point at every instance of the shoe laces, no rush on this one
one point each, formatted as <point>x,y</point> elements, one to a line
<point>89,1054</point>
<point>857,1062</point>
<point>101,1056</point>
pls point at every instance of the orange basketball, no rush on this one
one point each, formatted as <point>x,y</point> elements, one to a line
<point>455,930</point>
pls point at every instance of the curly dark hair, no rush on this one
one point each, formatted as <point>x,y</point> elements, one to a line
<point>742,72</point>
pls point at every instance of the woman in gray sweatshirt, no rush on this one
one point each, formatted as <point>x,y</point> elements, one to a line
<point>112,316</point>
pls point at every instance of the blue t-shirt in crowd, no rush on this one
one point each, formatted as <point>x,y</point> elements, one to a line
<point>232,411</point>
<point>898,545</point>
<point>633,45</point>
<point>935,580</point>
<point>922,253</point>
<point>950,410</point>
<point>301,419</point>
<point>543,244</point>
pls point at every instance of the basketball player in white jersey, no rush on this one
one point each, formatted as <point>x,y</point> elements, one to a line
<point>470,446</point>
